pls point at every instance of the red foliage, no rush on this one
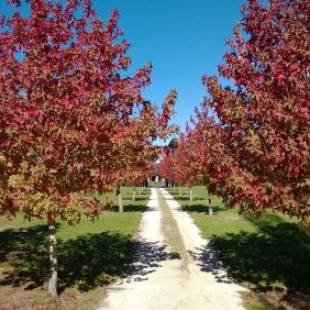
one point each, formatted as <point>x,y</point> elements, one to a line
<point>266,117</point>
<point>258,155</point>
<point>186,161</point>
<point>72,120</point>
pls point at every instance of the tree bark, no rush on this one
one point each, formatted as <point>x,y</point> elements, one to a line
<point>191,195</point>
<point>52,283</point>
<point>210,207</point>
<point>134,194</point>
<point>119,199</point>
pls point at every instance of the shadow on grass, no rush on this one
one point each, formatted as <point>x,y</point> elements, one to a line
<point>130,208</point>
<point>140,198</point>
<point>186,198</point>
<point>201,208</point>
<point>23,250</point>
<point>276,258</point>
<point>88,261</point>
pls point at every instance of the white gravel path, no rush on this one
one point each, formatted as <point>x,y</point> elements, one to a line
<point>161,281</point>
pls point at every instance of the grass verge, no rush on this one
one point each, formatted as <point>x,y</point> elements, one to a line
<point>91,255</point>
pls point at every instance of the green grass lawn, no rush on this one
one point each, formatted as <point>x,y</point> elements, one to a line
<point>91,254</point>
<point>266,253</point>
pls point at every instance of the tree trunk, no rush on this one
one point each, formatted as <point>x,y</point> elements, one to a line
<point>210,207</point>
<point>119,199</point>
<point>191,195</point>
<point>134,194</point>
<point>52,284</point>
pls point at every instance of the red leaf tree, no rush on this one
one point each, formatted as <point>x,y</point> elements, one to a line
<point>134,145</point>
<point>67,109</point>
<point>257,154</point>
<point>265,116</point>
<point>198,152</point>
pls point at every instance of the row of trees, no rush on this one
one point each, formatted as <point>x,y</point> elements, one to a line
<point>73,120</point>
<point>250,141</point>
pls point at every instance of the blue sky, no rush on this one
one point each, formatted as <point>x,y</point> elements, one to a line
<point>183,39</point>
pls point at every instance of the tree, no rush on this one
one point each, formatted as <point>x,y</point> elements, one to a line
<point>65,102</point>
<point>198,155</point>
<point>265,116</point>
<point>134,145</point>
<point>183,163</point>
